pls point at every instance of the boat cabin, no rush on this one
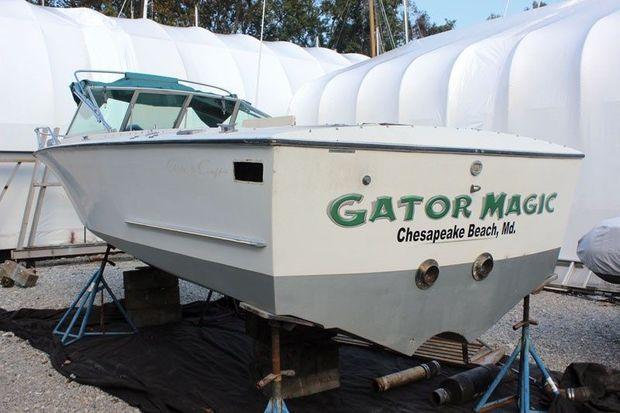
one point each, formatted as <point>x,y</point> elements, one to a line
<point>137,102</point>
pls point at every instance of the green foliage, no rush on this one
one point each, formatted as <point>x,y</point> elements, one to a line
<point>342,25</point>
<point>347,24</point>
<point>424,27</point>
<point>536,4</point>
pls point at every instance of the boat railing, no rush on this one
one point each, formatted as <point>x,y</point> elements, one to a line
<point>47,136</point>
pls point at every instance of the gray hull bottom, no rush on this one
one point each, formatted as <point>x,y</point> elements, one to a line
<point>387,308</point>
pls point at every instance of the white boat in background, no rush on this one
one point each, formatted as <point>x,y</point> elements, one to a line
<point>394,233</point>
<point>599,250</point>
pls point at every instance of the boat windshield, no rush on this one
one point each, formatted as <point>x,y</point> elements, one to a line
<point>107,109</point>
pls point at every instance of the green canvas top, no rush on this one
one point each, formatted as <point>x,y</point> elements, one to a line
<point>139,101</point>
<point>140,80</point>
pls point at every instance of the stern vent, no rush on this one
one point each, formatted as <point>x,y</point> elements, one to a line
<point>248,171</point>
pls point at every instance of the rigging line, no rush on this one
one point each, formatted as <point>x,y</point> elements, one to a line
<point>377,34</point>
<point>406,20</point>
<point>387,24</point>
<point>347,6</point>
<point>417,24</point>
<point>506,8</point>
<point>122,7</point>
<point>344,10</point>
<point>260,52</point>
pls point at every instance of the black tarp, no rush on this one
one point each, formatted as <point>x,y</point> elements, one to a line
<point>188,367</point>
<point>602,381</point>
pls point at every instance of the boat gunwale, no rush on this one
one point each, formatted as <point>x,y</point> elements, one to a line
<point>325,145</point>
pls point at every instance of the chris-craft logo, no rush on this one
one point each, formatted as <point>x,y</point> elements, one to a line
<point>182,167</point>
<point>350,210</point>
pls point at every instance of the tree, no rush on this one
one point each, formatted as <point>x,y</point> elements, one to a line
<point>347,24</point>
<point>494,16</point>
<point>424,26</point>
<point>338,24</point>
<point>536,4</point>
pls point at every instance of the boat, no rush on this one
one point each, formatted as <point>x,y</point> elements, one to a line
<point>599,250</point>
<point>391,233</point>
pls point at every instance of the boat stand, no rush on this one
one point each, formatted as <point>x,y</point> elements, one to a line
<point>524,350</point>
<point>83,303</point>
<point>276,402</point>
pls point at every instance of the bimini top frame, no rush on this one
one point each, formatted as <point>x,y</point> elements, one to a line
<point>157,98</point>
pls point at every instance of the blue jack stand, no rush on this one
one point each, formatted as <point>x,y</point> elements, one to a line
<point>84,302</point>
<point>524,349</point>
<point>276,403</point>
<point>276,406</point>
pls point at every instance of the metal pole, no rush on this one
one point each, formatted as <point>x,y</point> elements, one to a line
<point>260,52</point>
<point>406,20</point>
<point>196,14</point>
<point>524,371</point>
<point>13,173</point>
<point>371,17</point>
<point>38,207</point>
<point>275,361</point>
<point>101,316</point>
<point>497,380</point>
<point>120,12</point>
<point>26,217</point>
<point>506,8</point>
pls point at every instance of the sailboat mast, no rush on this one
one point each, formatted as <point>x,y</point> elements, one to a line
<point>371,17</point>
<point>406,20</point>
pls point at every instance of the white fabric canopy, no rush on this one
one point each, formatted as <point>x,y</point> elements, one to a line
<point>41,47</point>
<point>551,73</point>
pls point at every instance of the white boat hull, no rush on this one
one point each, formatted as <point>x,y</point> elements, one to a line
<point>297,243</point>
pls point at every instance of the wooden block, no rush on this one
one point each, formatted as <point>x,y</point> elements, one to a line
<point>147,278</point>
<point>309,351</point>
<point>315,365</point>
<point>155,316</point>
<point>21,276</point>
<point>152,297</point>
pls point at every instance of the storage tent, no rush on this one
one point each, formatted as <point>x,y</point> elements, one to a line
<point>551,73</point>
<point>41,47</point>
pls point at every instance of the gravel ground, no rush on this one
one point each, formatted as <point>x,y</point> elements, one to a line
<point>22,367</point>
<point>570,329</point>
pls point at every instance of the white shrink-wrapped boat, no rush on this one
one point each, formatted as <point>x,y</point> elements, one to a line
<point>393,233</point>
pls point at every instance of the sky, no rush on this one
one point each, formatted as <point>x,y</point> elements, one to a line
<point>468,12</point>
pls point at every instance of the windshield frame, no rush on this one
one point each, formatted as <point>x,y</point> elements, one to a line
<point>87,98</point>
